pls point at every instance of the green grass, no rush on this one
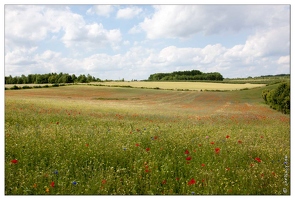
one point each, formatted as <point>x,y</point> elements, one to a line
<point>115,145</point>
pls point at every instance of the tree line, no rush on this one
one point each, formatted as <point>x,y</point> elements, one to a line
<point>186,75</point>
<point>50,78</point>
<point>279,98</point>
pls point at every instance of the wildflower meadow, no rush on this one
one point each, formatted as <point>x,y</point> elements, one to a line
<point>97,140</point>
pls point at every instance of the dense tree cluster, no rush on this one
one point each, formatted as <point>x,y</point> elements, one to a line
<point>279,98</point>
<point>186,75</point>
<point>50,78</point>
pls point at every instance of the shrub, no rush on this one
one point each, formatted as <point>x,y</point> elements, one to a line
<point>26,87</point>
<point>279,98</point>
<point>37,86</point>
<point>15,88</point>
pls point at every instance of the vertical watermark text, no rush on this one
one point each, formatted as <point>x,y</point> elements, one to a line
<point>286,174</point>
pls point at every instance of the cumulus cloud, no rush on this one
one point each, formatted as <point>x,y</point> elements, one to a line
<point>181,21</point>
<point>20,56</point>
<point>27,25</point>
<point>269,42</point>
<point>129,12</point>
<point>101,10</point>
<point>90,36</point>
<point>284,60</point>
<point>266,48</point>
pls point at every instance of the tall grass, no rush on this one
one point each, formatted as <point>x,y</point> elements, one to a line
<point>57,145</point>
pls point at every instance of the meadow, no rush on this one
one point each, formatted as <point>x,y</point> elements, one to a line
<point>97,140</point>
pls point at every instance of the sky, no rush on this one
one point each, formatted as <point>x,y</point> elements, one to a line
<point>132,41</point>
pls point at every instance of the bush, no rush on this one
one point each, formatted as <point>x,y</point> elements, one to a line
<point>37,86</point>
<point>15,88</point>
<point>26,87</point>
<point>279,98</point>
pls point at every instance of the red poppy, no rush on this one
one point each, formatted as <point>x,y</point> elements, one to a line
<point>239,141</point>
<point>104,181</point>
<point>258,159</point>
<point>14,161</point>
<point>52,184</point>
<point>147,149</point>
<point>191,182</point>
<point>227,136</point>
<point>203,165</point>
<point>189,158</point>
<point>186,152</point>
<point>137,144</point>
<point>87,145</point>
<point>217,150</point>
<point>164,182</point>
<point>211,142</point>
<point>146,170</point>
<point>177,178</point>
<point>273,173</point>
<point>227,169</point>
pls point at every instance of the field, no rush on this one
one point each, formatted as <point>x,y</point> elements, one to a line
<point>85,139</point>
<point>184,85</point>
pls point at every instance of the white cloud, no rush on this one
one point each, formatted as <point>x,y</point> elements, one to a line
<point>284,60</point>
<point>135,29</point>
<point>181,21</point>
<point>90,36</point>
<point>265,51</point>
<point>20,56</point>
<point>128,13</point>
<point>269,42</point>
<point>28,25</point>
<point>101,10</point>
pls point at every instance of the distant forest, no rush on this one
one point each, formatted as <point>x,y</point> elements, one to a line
<point>50,78</point>
<point>186,75</point>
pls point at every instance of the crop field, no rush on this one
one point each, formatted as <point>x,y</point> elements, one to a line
<point>97,140</point>
<point>184,85</point>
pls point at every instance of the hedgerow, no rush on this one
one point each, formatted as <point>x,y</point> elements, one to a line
<point>279,98</point>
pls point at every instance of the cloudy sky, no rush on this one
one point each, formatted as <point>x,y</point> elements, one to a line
<point>134,41</point>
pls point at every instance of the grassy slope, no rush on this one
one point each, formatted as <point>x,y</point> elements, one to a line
<point>93,142</point>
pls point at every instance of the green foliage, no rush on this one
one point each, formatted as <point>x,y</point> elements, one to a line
<point>279,98</point>
<point>49,78</point>
<point>15,87</point>
<point>186,75</point>
<point>26,87</point>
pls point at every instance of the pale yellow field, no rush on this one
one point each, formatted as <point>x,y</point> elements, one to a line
<point>30,85</point>
<point>184,85</point>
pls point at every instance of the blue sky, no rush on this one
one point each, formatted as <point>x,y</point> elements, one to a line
<point>133,41</point>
